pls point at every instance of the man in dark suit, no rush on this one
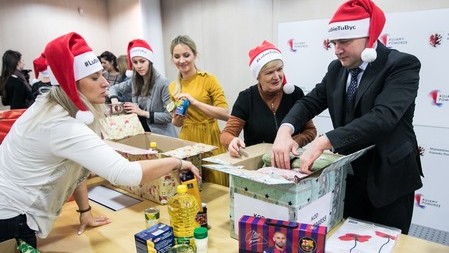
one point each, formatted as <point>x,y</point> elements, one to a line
<point>373,106</point>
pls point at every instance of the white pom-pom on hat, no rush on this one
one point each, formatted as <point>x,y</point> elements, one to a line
<point>288,88</point>
<point>369,55</point>
<point>85,116</point>
<point>129,73</point>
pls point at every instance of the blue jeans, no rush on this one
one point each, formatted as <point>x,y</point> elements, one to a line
<point>17,228</point>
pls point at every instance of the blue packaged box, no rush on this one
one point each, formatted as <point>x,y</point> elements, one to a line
<point>158,238</point>
<point>258,234</point>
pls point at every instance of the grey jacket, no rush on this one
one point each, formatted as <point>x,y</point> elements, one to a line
<point>160,122</point>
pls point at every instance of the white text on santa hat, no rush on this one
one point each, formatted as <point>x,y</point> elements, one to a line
<point>340,28</point>
<point>91,62</point>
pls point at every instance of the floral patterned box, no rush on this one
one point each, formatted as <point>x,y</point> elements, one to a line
<point>359,236</point>
<point>316,199</point>
<point>136,148</point>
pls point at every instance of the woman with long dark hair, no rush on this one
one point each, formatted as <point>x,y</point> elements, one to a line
<point>14,88</point>
<point>146,93</point>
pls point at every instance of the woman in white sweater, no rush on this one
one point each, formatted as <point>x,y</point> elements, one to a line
<point>52,147</point>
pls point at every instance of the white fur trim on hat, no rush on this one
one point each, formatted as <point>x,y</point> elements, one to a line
<point>349,29</point>
<point>141,51</point>
<point>263,58</point>
<point>86,64</point>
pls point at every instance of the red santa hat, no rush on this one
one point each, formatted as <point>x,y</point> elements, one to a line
<point>141,48</point>
<point>262,55</point>
<point>70,59</point>
<point>40,66</point>
<point>358,19</point>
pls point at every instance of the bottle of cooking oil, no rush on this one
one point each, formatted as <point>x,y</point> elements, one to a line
<point>182,209</point>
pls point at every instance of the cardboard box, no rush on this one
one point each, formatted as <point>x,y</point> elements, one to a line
<point>257,235</point>
<point>316,199</point>
<point>158,237</point>
<point>136,148</point>
<point>9,246</point>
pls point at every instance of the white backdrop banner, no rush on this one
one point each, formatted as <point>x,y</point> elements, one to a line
<point>425,34</point>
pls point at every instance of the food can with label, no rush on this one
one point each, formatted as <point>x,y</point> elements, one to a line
<point>181,106</point>
<point>151,216</point>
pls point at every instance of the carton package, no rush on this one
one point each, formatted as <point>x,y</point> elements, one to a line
<point>316,199</point>
<point>136,148</point>
<point>257,235</point>
<point>363,237</point>
<point>158,238</point>
<point>125,134</point>
<point>9,246</point>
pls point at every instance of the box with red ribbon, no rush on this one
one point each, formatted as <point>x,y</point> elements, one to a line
<point>263,235</point>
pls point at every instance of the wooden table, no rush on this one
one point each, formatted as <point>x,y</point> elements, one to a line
<point>118,237</point>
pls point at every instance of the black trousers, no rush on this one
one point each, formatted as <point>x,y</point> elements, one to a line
<point>357,205</point>
<point>17,228</point>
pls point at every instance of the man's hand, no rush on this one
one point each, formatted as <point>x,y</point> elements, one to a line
<point>282,146</point>
<point>313,151</point>
<point>86,219</point>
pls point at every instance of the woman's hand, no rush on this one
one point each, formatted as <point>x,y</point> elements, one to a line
<point>177,120</point>
<point>186,165</point>
<point>134,108</point>
<point>235,146</point>
<point>192,100</point>
<point>87,219</point>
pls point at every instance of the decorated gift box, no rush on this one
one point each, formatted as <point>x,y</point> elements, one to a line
<point>134,144</point>
<point>315,199</point>
<point>258,234</point>
<point>136,148</point>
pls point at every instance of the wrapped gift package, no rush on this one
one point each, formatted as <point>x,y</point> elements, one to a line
<point>158,238</point>
<point>257,234</point>
<point>135,145</point>
<point>315,199</point>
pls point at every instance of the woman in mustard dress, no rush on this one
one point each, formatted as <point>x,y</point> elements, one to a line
<point>207,102</point>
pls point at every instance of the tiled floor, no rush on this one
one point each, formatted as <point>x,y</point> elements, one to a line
<point>429,234</point>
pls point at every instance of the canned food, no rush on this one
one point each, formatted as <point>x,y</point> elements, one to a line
<point>181,248</point>
<point>151,216</point>
<point>201,217</point>
<point>116,108</point>
<point>181,106</point>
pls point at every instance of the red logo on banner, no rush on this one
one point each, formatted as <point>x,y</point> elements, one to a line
<point>435,39</point>
<point>291,45</point>
<point>327,44</point>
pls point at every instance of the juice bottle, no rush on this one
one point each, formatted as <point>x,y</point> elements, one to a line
<point>153,146</point>
<point>188,179</point>
<point>182,209</point>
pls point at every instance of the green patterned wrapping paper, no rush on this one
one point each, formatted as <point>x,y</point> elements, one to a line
<point>294,196</point>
